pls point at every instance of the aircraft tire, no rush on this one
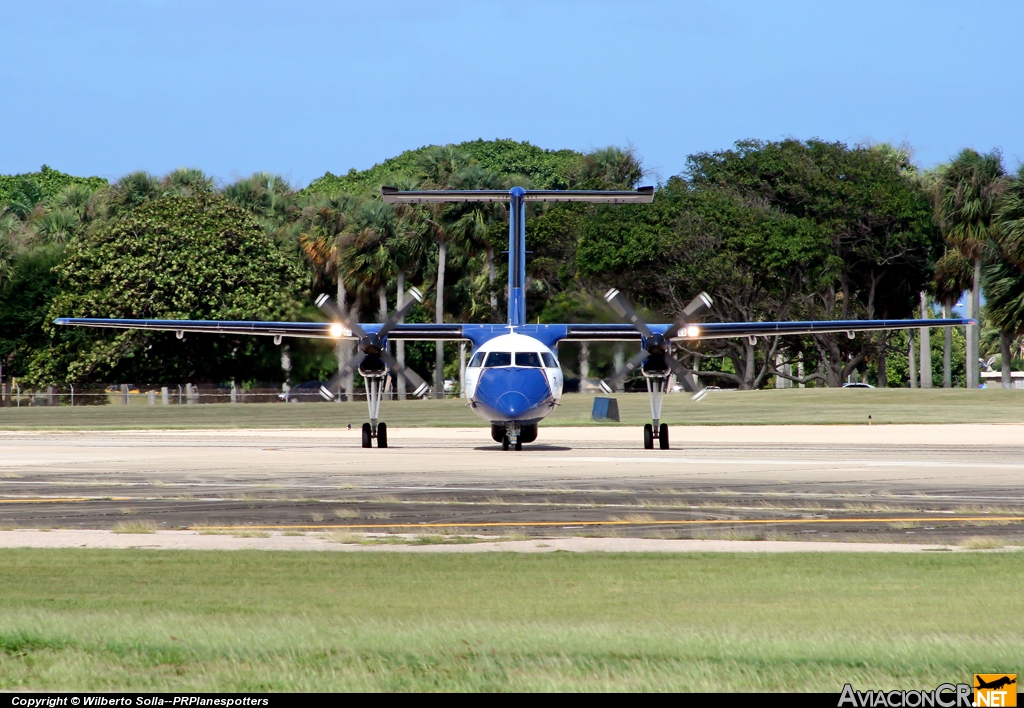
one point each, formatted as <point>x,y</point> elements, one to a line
<point>367,437</point>
<point>528,433</point>
<point>519,445</point>
<point>497,432</point>
<point>662,436</point>
<point>648,437</point>
<point>382,434</point>
<point>505,443</point>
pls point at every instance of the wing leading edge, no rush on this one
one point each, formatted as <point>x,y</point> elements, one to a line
<point>725,330</point>
<point>570,332</point>
<point>311,330</point>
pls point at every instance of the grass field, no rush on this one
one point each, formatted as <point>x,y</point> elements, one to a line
<point>245,621</point>
<point>770,407</point>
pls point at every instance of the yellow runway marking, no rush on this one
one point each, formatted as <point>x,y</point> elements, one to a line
<point>615,522</point>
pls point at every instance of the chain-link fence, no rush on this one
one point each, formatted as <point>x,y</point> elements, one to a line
<point>14,395</point>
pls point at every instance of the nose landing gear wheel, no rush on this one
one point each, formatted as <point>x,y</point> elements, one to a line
<point>367,439</point>
<point>382,435</point>
<point>663,436</point>
<point>519,445</point>
<point>648,437</point>
<point>505,443</point>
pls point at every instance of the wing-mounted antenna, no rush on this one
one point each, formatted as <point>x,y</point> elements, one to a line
<point>517,197</point>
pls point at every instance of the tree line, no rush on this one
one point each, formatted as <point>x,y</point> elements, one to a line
<point>773,230</point>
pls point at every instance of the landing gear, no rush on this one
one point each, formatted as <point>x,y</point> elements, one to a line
<point>374,394</point>
<point>514,435</point>
<point>657,386</point>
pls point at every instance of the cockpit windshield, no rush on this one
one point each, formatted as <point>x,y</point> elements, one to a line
<point>499,359</point>
<point>549,361</point>
<point>531,359</point>
<point>478,359</point>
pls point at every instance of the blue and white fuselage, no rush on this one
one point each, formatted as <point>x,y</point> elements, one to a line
<point>513,378</point>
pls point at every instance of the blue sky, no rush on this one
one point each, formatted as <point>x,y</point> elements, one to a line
<point>306,86</point>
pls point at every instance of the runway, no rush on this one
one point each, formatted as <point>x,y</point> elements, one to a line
<point>916,483</point>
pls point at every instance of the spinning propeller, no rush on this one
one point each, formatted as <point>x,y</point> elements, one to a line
<point>371,347</point>
<point>654,354</point>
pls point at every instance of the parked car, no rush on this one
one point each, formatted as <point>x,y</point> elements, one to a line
<point>308,391</point>
<point>857,385</point>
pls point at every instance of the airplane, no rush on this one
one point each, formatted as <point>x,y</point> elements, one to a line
<point>513,379</point>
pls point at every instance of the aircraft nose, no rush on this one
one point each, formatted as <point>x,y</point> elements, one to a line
<point>512,393</point>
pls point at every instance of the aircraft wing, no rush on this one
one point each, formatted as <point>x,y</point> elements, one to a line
<point>725,330</point>
<point>314,330</point>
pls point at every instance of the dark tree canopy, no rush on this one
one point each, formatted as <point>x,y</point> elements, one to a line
<point>195,257</point>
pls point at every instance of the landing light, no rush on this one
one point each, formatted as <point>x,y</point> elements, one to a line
<point>692,331</point>
<point>337,330</point>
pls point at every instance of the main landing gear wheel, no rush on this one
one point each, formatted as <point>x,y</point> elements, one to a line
<point>648,437</point>
<point>663,436</point>
<point>382,434</point>
<point>367,435</point>
<point>505,443</point>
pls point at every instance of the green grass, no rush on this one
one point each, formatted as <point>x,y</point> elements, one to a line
<point>792,406</point>
<point>79,619</point>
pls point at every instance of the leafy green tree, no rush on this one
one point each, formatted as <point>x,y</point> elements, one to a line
<point>26,293</point>
<point>176,257</point>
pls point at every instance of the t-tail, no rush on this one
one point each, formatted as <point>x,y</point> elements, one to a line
<point>517,198</point>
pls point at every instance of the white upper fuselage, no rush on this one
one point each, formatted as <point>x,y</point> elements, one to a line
<point>513,378</point>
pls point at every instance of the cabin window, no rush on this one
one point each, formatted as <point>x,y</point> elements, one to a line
<point>499,359</point>
<point>478,359</point>
<point>549,361</point>
<point>531,359</point>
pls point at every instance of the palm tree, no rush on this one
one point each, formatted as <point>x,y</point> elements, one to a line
<point>366,259</point>
<point>967,196</point>
<point>79,199</point>
<point>472,223</point>
<point>953,275</point>
<point>1004,275</point>
<point>132,190</point>
<point>58,226</point>
<point>188,181</point>
<point>269,197</point>
<point>408,250</point>
<point>609,168</point>
<point>437,166</point>
<point>322,230</point>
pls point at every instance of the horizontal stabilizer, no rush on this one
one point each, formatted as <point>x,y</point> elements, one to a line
<point>643,195</point>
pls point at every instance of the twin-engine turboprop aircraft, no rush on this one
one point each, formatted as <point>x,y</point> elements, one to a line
<point>513,379</point>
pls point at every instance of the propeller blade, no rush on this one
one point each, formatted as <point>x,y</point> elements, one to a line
<point>421,387</point>
<point>622,306</point>
<point>697,307</point>
<point>331,388</point>
<point>608,385</point>
<point>414,296</point>
<point>329,307</point>
<point>686,378</point>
